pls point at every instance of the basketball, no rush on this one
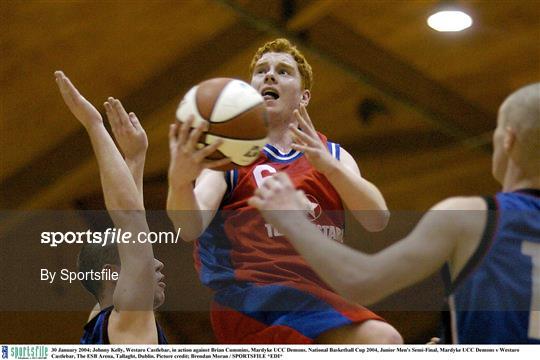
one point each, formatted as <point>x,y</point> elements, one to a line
<point>236,113</point>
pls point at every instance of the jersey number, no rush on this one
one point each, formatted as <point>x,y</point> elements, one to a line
<point>258,173</point>
<point>533,250</point>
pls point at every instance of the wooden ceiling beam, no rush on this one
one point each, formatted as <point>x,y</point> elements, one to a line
<point>310,15</point>
<point>385,71</point>
<point>41,173</point>
<point>363,59</point>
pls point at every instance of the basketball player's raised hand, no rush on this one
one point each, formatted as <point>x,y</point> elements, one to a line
<point>81,108</point>
<point>187,161</point>
<point>308,141</point>
<point>127,130</point>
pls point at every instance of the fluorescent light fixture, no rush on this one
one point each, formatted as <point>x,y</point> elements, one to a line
<point>449,21</point>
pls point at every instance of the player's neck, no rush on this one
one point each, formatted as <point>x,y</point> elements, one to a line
<point>279,134</point>
<point>516,179</point>
<point>281,141</point>
<point>106,300</point>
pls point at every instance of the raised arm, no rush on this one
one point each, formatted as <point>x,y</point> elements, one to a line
<point>195,192</point>
<point>131,139</point>
<point>134,293</point>
<point>358,194</point>
<point>367,278</point>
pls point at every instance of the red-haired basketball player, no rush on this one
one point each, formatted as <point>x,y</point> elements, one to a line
<point>264,291</point>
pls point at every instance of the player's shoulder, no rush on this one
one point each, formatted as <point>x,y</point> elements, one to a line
<point>461,203</point>
<point>458,216</point>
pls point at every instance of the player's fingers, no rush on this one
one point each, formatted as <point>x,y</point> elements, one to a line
<point>272,183</point>
<point>305,115</point>
<point>122,115</point>
<point>194,136</point>
<point>184,130</point>
<point>173,133</point>
<point>217,163</point>
<point>302,136</point>
<point>256,202</point>
<point>304,125</point>
<point>284,179</point>
<point>265,192</point>
<point>302,148</point>
<point>67,89</point>
<point>208,150</point>
<point>135,121</point>
<point>111,115</point>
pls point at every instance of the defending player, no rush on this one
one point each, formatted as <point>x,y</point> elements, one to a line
<point>126,306</point>
<point>264,291</point>
<point>492,244</point>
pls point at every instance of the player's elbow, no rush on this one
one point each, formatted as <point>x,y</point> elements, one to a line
<point>360,287</point>
<point>187,233</point>
<point>375,221</point>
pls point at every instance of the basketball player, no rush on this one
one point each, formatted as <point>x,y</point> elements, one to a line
<point>491,244</point>
<point>126,306</point>
<point>264,291</point>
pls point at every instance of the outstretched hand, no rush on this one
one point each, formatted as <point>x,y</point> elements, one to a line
<point>277,199</point>
<point>187,160</point>
<point>127,130</point>
<point>81,108</point>
<point>308,141</point>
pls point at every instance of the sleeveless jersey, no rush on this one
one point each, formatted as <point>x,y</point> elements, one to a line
<point>496,297</point>
<point>96,330</point>
<point>240,246</point>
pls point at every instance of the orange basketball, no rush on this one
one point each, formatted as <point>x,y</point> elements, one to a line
<point>236,113</point>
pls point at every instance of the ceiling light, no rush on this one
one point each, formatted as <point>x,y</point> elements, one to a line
<point>449,21</point>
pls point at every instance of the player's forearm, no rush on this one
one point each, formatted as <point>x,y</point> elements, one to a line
<point>119,190</point>
<point>184,211</point>
<point>361,197</point>
<point>348,272</point>
<point>136,167</point>
<point>135,286</point>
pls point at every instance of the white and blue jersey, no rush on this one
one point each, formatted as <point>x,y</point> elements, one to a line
<point>495,299</point>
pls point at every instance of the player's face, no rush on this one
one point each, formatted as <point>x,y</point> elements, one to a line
<point>499,159</point>
<point>159,291</point>
<point>277,78</point>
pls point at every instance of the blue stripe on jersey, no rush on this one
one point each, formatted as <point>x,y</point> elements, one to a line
<point>282,305</point>
<point>231,179</point>
<point>334,149</point>
<point>493,297</point>
<point>277,156</point>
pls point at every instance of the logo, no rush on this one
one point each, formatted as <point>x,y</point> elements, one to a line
<point>27,352</point>
<point>4,352</point>
<point>314,209</point>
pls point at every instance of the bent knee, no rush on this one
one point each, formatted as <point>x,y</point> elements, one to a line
<point>378,332</point>
<point>368,332</point>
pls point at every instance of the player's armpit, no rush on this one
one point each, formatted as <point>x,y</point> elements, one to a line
<point>132,327</point>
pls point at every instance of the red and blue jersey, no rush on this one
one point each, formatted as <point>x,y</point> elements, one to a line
<point>240,246</point>
<point>265,291</point>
